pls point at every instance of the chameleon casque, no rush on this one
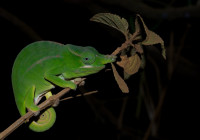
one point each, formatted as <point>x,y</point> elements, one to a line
<point>42,65</point>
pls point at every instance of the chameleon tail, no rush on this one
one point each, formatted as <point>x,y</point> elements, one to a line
<point>46,119</point>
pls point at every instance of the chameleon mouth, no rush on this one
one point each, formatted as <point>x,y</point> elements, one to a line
<point>89,66</point>
<point>88,69</point>
<point>92,68</point>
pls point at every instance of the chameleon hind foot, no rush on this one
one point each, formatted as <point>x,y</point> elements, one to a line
<point>29,101</point>
<point>60,82</point>
<point>36,113</point>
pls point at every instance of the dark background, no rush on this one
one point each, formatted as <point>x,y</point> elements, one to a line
<point>96,116</point>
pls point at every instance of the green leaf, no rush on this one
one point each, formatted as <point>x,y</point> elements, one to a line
<point>112,20</point>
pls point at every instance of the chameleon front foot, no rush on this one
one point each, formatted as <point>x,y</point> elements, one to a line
<point>60,82</point>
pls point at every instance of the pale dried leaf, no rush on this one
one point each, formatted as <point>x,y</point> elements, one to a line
<point>130,64</point>
<point>133,64</point>
<point>121,83</point>
<point>124,60</point>
<point>151,37</point>
<point>126,75</point>
<point>163,50</point>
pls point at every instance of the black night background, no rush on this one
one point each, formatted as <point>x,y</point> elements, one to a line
<point>110,114</point>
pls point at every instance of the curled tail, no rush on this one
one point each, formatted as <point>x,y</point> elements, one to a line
<point>45,121</point>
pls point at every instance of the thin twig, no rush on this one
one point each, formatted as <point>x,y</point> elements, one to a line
<point>121,115</point>
<point>156,114</point>
<point>119,49</point>
<point>126,43</point>
<point>171,55</point>
<point>182,44</point>
<point>79,95</point>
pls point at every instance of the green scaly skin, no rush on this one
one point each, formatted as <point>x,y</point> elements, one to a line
<point>42,65</point>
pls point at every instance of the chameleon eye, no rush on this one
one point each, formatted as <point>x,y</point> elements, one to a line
<point>88,58</point>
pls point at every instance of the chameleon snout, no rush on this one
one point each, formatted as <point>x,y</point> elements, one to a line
<point>109,58</point>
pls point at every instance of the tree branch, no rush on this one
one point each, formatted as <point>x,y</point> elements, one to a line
<point>49,102</point>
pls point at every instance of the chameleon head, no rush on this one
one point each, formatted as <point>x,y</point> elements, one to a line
<point>90,60</point>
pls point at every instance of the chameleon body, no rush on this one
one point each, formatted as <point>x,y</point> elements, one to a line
<point>42,65</point>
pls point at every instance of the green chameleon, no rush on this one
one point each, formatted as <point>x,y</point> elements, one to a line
<point>41,66</point>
